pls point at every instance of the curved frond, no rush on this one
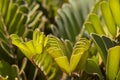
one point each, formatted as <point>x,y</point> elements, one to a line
<point>71,18</point>
<point>79,54</point>
<point>18,17</point>
<point>110,14</point>
<point>58,50</point>
<point>113,60</point>
<point>103,43</point>
<point>8,72</point>
<point>35,51</point>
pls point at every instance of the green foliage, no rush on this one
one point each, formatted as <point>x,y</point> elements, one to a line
<point>102,48</point>
<point>92,67</point>
<point>85,43</point>
<point>109,53</point>
<point>31,47</point>
<point>8,72</point>
<point>110,14</point>
<point>21,18</point>
<point>78,58</point>
<point>112,65</point>
<point>34,50</point>
<point>71,17</point>
<point>108,17</point>
<point>79,54</point>
<point>58,50</point>
<point>105,37</point>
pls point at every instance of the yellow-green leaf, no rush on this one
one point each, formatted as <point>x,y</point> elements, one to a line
<point>115,9</point>
<point>63,64</point>
<point>74,61</point>
<point>108,18</point>
<point>113,60</point>
<point>96,23</point>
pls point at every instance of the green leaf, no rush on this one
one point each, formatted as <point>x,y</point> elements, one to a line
<point>71,17</point>
<point>5,7</point>
<point>78,58</point>
<point>31,47</point>
<point>23,47</point>
<point>15,18</point>
<point>1,2</point>
<point>39,41</point>
<point>89,27</point>
<point>54,52</point>
<point>72,21</point>
<point>45,64</point>
<point>74,61</point>
<point>13,23</point>
<point>8,70</point>
<point>108,18</point>
<point>69,48</point>
<point>101,47</point>
<point>60,23</point>
<point>108,42</point>
<point>63,64</point>
<point>35,51</point>
<point>20,30</point>
<point>66,25</point>
<point>96,23</point>
<point>56,48</point>
<point>112,65</point>
<point>92,67</point>
<point>15,39</point>
<point>82,62</point>
<point>115,10</point>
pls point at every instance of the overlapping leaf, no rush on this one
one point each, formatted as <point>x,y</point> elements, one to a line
<point>71,17</point>
<point>79,54</point>
<point>34,50</point>
<point>103,43</point>
<point>113,60</point>
<point>107,48</point>
<point>58,50</point>
<point>92,67</point>
<point>110,13</point>
<point>17,16</point>
<point>109,53</point>
<point>8,72</point>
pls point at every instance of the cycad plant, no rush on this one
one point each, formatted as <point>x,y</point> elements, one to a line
<point>39,50</point>
<point>71,17</point>
<point>21,18</point>
<point>16,17</point>
<point>105,35</point>
<point>85,43</point>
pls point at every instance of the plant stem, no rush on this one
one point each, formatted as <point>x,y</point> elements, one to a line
<point>23,66</point>
<point>35,74</point>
